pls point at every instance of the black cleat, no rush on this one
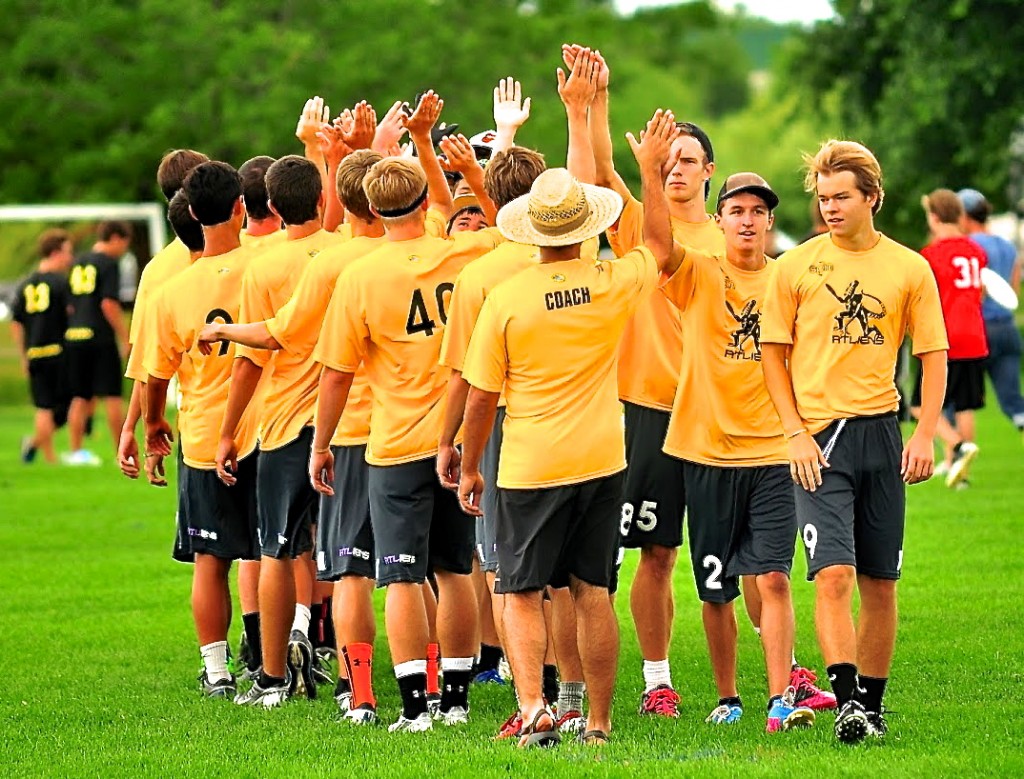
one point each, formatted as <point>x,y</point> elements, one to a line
<point>851,722</point>
<point>300,663</point>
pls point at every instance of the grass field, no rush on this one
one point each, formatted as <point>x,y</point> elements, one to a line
<point>100,658</point>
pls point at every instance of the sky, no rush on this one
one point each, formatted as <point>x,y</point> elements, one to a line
<point>776,10</point>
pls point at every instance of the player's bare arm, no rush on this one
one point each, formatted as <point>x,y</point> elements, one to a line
<point>805,457</point>
<point>577,90</point>
<point>511,111</point>
<point>919,452</point>
<point>127,446</point>
<point>315,114</point>
<point>652,152</point>
<point>481,408</point>
<point>449,461</point>
<point>333,395</point>
<point>255,335</point>
<point>114,314</point>
<point>460,158</point>
<point>419,126</point>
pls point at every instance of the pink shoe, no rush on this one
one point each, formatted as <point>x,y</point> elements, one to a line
<point>807,693</point>
<point>662,701</point>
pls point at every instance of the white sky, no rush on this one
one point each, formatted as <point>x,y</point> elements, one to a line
<point>776,10</point>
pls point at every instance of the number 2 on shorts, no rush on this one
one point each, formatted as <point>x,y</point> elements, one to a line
<point>714,580</point>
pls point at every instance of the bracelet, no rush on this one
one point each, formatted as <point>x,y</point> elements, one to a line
<point>325,450</point>
<point>795,433</point>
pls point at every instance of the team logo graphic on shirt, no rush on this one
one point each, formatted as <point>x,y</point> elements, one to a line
<point>748,333</point>
<point>860,307</point>
<point>557,277</point>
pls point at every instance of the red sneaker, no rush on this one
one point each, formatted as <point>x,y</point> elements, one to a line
<point>511,728</point>
<point>807,693</point>
<point>662,701</point>
<point>571,722</point>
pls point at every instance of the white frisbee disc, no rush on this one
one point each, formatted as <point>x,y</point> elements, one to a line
<point>997,289</point>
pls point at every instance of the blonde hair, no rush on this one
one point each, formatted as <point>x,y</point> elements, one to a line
<point>945,205</point>
<point>349,182</point>
<point>394,184</point>
<point>510,174</point>
<point>836,156</point>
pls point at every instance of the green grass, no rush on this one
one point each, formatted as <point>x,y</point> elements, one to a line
<point>99,656</point>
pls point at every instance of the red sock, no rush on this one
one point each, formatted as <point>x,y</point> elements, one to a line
<point>433,668</point>
<point>359,661</point>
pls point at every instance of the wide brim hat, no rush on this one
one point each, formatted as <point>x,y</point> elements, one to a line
<point>559,210</point>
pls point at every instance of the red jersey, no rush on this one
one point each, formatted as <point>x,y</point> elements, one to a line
<point>957,263</point>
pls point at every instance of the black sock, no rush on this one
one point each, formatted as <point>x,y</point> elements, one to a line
<point>455,690</point>
<point>315,615</point>
<point>871,691</point>
<point>343,686</point>
<point>550,686</point>
<point>731,701</point>
<point>843,677</point>
<point>267,681</point>
<point>251,622</point>
<point>414,694</point>
<point>327,614</point>
<point>490,656</point>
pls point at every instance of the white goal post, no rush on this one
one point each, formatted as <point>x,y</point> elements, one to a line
<point>154,214</point>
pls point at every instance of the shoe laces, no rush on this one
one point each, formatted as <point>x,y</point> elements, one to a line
<point>803,678</point>
<point>662,700</point>
<point>720,714</point>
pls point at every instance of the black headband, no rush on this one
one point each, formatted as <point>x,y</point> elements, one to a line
<point>396,212</point>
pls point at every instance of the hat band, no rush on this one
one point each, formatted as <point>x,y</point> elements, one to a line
<point>563,227</point>
<point>396,212</point>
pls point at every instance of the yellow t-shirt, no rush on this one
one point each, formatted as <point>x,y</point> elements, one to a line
<point>262,242</point>
<point>167,262</point>
<point>722,414</point>
<point>550,336</point>
<point>344,231</point>
<point>296,326</point>
<point>845,314</point>
<point>653,342</point>
<point>209,290</point>
<point>389,311</point>
<point>290,398</point>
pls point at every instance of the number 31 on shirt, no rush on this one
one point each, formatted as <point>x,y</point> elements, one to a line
<point>970,273</point>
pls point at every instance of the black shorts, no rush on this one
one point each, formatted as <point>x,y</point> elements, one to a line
<point>94,369</point>
<point>654,499</point>
<point>965,385</point>
<point>418,525</point>
<point>48,383</point>
<point>547,535</point>
<point>487,525</point>
<point>215,519</point>
<point>344,535</point>
<point>741,521</point>
<point>856,517</point>
<point>286,502</point>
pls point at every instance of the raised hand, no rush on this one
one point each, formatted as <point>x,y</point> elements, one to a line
<point>577,90</point>
<point>425,116</point>
<point>459,154</point>
<point>570,51</point>
<point>390,129</point>
<point>332,144</point>
<point>314,115</point>
<point>655,144</point>
<point>363,127</point>
<point>510,109</point>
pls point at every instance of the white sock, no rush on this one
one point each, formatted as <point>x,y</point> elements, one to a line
<point>794,659</point>
<point>301,621</point>
<point>757,629</point>
<point>410,667</point>
<point>215,660</point>
<point>456,664</point>
<point>656,673</point>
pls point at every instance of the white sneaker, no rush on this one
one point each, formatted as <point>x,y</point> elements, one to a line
<point>964,453</point>
<point>363,714</point>
<point>456,715</point>
<point>421,724</point>
<point>267,697</point>
<point>941,469</point>
<point>81,457</point>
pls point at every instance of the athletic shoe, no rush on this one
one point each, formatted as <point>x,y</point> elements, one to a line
<point>662,701</point>
<point>572,722</point>
<point>300,663</point>
<point>962,485</point>
<point>877,726</point>
<point>963,453</point>
<point>490,676</point>
<point>321,669</point>
<point>363,714</point>
<point>222,688</point>
<point>807,693</point>
<point>267,697</point>
<point>421,724</point>
<point>725,715</point>
<point>851,722</point>
<point>244,650</point>
<point>941,469</point>
<point>344,700</point>
<point>511,728</point>
<point>786,714</point>
<point>28,450</point>
<point>456,715</point>
<point>81,457</point>
<point>434,704</point>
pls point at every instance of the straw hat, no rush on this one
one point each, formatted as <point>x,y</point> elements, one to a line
<point>559,211</point>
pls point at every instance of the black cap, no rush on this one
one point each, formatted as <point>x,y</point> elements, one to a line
<point>691,129</point>
<point>747,182</point>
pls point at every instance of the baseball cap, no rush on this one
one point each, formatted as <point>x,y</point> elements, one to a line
<point>738,183</point>
<point>973,201</point>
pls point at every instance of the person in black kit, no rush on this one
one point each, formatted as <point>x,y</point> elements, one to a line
<point>96,337</point>
<point>40,319</point>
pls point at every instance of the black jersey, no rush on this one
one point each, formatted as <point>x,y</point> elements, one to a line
<point>41,308</point>
<point>94,277</point>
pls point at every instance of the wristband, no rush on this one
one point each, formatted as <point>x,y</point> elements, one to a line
<point>795,433</point>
